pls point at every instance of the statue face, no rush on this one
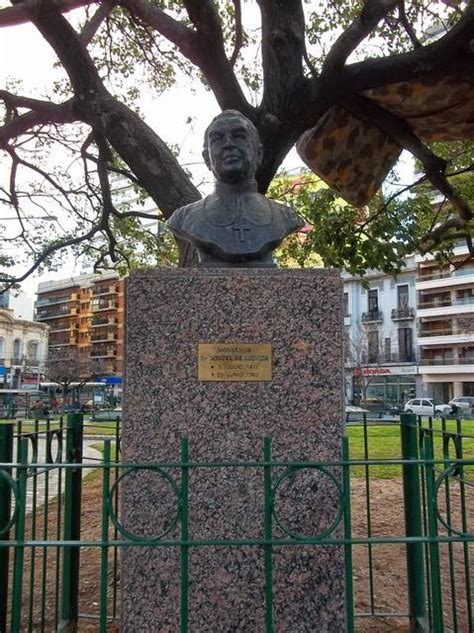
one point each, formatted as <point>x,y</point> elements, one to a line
<point>233,151</point>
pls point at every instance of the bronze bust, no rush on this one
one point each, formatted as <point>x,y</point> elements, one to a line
<point>235,226</point>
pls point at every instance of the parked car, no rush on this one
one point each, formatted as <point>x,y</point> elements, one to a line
<point>354,414</point>
<point>73,407</point>
<point>425,406</point>
<point>107,415</point>
<point>462,402</point>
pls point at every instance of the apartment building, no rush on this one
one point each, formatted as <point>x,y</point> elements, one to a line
<point>413,334</point>
<point>445,313</point>
<point>23,349</point>
<point>86,312</point>
<point>380,334</point>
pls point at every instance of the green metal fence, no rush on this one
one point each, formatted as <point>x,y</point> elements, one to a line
<point>406,516</point>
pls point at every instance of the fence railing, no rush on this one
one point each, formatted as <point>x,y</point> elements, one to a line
<point>404,519</point>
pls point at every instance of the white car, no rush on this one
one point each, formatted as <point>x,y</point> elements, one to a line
<point>424,406</point>
<point>463,402</point>
<point>107,415</point>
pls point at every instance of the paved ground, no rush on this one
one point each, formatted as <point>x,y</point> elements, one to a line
<point>47,478</point>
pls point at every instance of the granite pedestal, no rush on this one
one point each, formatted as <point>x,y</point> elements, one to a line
<point>168,314</point>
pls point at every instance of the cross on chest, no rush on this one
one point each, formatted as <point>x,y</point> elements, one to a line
<point>239,228</point>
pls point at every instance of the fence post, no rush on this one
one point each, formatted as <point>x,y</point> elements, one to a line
<point>413,522</point>
<point>72,523</point>
<point>19,556</point>
<point>437,625</point>
<point>268,549</point>
<point>104,550</point>
<point>184,549</point>
<point>348,567</point>
<point>6,455</point>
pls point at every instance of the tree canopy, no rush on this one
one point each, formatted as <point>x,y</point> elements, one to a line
<point>306,61</point>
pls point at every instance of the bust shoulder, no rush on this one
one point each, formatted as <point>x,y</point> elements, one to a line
<point>181,214</point>
<point>287,214</point>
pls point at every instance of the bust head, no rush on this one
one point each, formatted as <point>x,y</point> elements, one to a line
<point>232,148</point>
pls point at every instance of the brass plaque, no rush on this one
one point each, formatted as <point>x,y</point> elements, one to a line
<point>234,361</point>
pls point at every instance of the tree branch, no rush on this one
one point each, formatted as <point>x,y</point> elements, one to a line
<point>205,17</point>
<point>91,28</point>
<point>44,115</point>
<point>282,53</point>
<point>183,37</point>
<point>47,252</point>
<point>451,52</point>
<point>372,12</point>
<point>238,31</point>
<point>403,18</point>
<point>72,54</point>
<point>23,12</point>
<point>137,144</point>
<point>400,131</point>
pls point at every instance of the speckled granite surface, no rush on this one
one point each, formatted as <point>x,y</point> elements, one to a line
<point>168,312</point>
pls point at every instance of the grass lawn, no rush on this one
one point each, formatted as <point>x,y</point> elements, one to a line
<point>90,427</point>
<point>373,442</point>
<point>383,442</point>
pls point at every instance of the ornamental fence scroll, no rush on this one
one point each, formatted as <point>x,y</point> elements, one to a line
<point>48,574</point>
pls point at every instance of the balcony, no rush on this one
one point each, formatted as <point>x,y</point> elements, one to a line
<point>62,327</point>
<point>103,337</point>
<point>463,272</point>
<point>437,274</point>
<point>445,307</point>
<point>440,279</point>
<point>104,305</point>
<point>444,336</point>
<point>447,360</point>
<point>102,322</point>
<point>32,362</point>
<point>50,301</point>
<point>103,353</point>
<point>62,343</point>
<point>45,315</point>
<point>403,314</point>
<point>460,368</point>
<point>373,316</point>
<point>105,290</point>
<point>435,332</point>
<point>458,301</point>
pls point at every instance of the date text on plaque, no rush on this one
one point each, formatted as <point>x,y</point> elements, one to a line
<point>234,361</point>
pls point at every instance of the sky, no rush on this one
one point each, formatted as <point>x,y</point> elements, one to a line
<point>25,55</point>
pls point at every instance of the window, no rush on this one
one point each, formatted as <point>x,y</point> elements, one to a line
<point>373,346</point>
<point>346,304</point>
<point>2,348</point>
<point>387,349</point>
<point>33,348</point>
<point>373,298</point>
<point>17,350</point>
<point>402,296</point>
<point>405,344</point>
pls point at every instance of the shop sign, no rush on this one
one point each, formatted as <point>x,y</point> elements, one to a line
<point>385,371</point>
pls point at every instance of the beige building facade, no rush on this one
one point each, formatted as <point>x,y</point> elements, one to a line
<point>23,350</point>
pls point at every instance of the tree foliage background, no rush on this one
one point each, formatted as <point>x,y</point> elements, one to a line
<point>304,58</point>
